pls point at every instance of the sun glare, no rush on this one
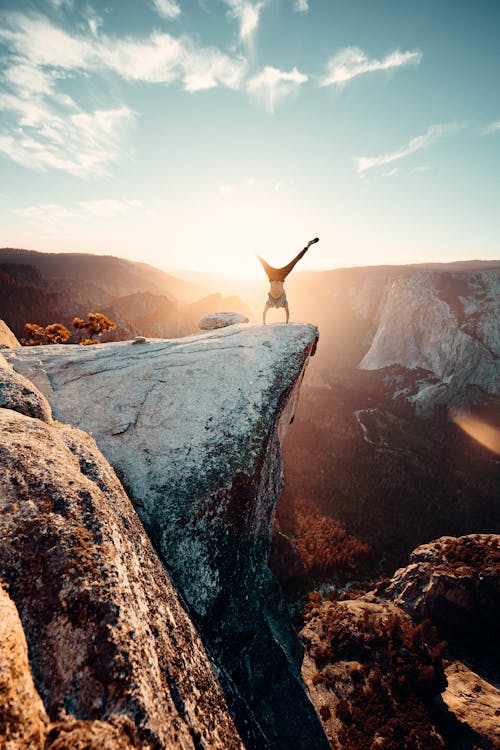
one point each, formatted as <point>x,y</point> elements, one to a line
<point>479,430</point>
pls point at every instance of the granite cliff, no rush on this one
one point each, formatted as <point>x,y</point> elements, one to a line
<point>192,428</point>
<point>115,660</point>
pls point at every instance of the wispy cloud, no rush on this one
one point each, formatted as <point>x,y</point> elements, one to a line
<point>492,127</point>
<point>247,14</point>
<point>54,215</point>
<point>168,8</point>
<point>271,85</point>
<point>81,143</point>
<point>434,133</point>
<point>352,62</point>
<point>301,6</point>
<point>45,128</point>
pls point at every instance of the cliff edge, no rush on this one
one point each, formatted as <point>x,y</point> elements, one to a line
<point>193,427</point>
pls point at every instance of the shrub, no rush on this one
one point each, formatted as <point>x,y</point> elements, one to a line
<point>36,335</point>
<point>95,325</point>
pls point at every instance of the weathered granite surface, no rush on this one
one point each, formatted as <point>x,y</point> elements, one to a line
<point>18,393</point>
<point>192,428</point>
<point>108,639</point>
<point>7,338</point>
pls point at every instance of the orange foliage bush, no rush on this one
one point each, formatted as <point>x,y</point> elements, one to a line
<point>95,325</point>
<point>36,335</point>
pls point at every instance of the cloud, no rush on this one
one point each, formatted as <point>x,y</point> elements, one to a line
<point>301,6</point>
<point>54,215</point>
<point>107,207</point>
<point>168,8</point>
<point>45,128</point>
<point>352,61</point>
<point>391,172</point>
<point>416,144</point>
<point>158,58</point>
<point>272,84</point>
<point>247,14</point>
<point>81,143</point>
<point>493,127</point>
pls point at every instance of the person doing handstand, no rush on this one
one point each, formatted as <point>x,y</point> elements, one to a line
<point>277,297</point>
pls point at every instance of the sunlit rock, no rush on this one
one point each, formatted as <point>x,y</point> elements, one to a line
<point>7,338</point>
<point>448,325</point>
<point>220,320</point>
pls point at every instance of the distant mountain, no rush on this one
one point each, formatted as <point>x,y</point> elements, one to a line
<point>107,275</point>
<point>44,288</point>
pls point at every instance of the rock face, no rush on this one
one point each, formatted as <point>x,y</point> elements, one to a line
<point>455,582</point>
<point>445,324</point>
<point>110,645</point>
<point>372,674</point>
<point>191,426</point>
<point>7,338</point>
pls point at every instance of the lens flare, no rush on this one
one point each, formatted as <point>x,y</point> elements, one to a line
<point>478,429</point>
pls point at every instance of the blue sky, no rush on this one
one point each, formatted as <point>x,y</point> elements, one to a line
<point>194,133</point>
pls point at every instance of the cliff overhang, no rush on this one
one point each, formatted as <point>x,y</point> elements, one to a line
<point>192,427</point>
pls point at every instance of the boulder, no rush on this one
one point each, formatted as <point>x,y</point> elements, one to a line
<point>455,582</point>
<point>220,320</point>
<point>7,338</point>
<point>372,674</point>
<point>475,704</point>
<point>19,394</point>
<point>193,428</point>
<point>109,640</point>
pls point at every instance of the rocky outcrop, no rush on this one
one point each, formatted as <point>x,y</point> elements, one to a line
<point>372,674</point>
<point>24,723</point>
<point>192,427</point>
<point>7,338</point>
<point>453,581</point>
<point>109,643</point>
<point>446,324</point>
<point>19,394</point>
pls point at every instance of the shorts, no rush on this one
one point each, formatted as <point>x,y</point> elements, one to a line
<point>280,301</point>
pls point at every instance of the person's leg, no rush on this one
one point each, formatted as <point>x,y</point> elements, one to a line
<point>287,312</point>
<point>266,308</point>
<point>285,270</point>
<point>267,268</point>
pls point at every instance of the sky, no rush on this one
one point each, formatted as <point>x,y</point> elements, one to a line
<point>193,134</point>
